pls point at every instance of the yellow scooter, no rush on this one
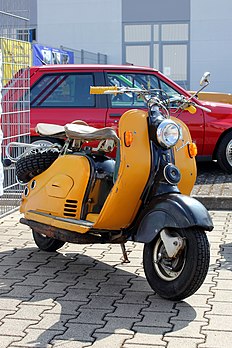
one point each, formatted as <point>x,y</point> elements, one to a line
<point>80,195</point>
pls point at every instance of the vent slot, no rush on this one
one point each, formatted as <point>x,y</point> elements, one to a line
<point>74,206</point>
<point>70,208</point>
<point>69,214</point>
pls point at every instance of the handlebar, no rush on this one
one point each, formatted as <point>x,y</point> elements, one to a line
<point>185,104</point>
<point>120,90</point>
<point>103,89</point>
<point>191,107</point>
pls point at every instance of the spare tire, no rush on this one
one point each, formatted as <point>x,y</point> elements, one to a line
<point>33,164</point>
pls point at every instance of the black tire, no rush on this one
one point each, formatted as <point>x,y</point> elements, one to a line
<point>46,243</point>
<point>224,153</point>
<point>33,164</point>
<point>189,268</point>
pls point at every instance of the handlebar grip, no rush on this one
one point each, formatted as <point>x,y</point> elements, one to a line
<point>191,109</point>
<point>102,89</point>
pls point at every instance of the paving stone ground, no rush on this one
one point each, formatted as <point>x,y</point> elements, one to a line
<point>84,296</point>
<point>213,186</point>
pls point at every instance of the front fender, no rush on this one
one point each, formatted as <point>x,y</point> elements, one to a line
<point>172,211</point>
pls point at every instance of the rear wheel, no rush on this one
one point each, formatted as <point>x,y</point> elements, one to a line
<point>46,243</point>
<point>35,163</point>
<point>224,153</point>
<point>179,277</point>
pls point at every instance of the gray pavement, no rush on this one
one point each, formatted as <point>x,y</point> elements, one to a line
<point>213,187</point>
<point>85,296</point>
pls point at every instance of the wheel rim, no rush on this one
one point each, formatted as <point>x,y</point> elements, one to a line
<point>167,268</point>
<point>229,152</point>
<point>42,145</point>
<point>42,142</point>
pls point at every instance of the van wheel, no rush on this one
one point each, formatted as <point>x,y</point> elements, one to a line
<point>45,141</point>
<point>224,153</point>
<point>46,243</point>
<point>33,164</point>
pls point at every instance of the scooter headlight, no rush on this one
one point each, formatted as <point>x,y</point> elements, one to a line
<point>168,133</point>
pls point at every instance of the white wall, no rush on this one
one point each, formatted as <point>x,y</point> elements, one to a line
<point>93,25</point>
<point>211,43</point>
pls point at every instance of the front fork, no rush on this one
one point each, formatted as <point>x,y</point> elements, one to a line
<point>172,244</point>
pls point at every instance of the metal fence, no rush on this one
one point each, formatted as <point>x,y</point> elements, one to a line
<point>15,98</point>
<point>86,57</point>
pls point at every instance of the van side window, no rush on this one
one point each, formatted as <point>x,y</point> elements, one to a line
<point>147,81</point>
<point>127,100</point>
<point>169,91</point>
<point>63,90</point>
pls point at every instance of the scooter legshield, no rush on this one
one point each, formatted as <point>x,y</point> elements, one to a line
<point>172,211</point>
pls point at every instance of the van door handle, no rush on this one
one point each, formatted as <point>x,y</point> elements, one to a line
<point>115,115</point>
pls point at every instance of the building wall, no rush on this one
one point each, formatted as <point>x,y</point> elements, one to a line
<point>97,26</point>
<point>82,24</point>
<point>11,24</point>
<point>151,10</point>
<point>33,13</point>
<point>157,35</point>
<point>211,43</point>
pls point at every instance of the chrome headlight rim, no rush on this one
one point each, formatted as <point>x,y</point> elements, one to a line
<point>168,133</point>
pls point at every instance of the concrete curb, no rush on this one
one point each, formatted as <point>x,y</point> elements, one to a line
<point>216,202</point>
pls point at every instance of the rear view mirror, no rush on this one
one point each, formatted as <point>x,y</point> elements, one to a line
<point>205,79</point>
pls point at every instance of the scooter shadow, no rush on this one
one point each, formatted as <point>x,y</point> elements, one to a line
<point>226,253</point>
<point>83,300</point>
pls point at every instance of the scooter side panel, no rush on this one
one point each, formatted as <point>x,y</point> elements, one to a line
<point>60,189</point>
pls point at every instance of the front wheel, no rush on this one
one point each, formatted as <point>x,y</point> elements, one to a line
<point>46,243</point>
<point>179,277</point>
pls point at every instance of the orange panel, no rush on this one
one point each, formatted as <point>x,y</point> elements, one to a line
<point>60,189</point>
<point>183,161</point>
<point>124,201</point>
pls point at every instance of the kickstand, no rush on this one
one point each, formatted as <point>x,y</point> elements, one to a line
<point>124,253</point>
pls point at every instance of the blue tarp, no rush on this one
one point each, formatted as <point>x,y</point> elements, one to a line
<point>51,55</point>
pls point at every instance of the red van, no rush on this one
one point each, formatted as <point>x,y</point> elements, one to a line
<point>60,94</point>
